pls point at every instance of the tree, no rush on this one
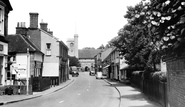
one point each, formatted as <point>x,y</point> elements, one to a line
<point>170,17</point>
<point>102,47</point>
<point>135,40</point>
<point>73,61</point>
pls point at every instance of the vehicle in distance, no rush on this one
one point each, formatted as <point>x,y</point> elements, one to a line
<point>99,75</point>
<point>75,73</point>
<point>91,72</point>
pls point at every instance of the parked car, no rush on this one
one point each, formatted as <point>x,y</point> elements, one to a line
<point>75,73</point>
<point>91,72</point>
<point>99,75</point>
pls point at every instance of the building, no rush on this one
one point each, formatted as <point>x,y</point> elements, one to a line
<point>86,58</point>
<point>55,52</point>
<point>24,59</point>
<point>5,8</point>
<point>72,44</point>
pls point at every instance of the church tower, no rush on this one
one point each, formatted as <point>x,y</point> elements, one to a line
<point>76,45</point>
<point>72,44</point>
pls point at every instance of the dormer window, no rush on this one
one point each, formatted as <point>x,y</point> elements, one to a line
<point>48,49</point>
<point>1,20</point>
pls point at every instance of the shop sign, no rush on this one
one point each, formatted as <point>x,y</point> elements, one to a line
<point>1,47</point>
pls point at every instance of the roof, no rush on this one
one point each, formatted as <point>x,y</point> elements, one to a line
<point>8,4</point>
<point>87,53</point>
<point>20,43</point>
<point>106,53</point>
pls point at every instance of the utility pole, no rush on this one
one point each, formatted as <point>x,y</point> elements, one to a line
<point>27,72</point>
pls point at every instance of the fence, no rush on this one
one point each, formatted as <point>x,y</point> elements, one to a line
<point>155,90</point>
<point>40,84</point>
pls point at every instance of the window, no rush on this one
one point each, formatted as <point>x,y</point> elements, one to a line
<point>48,49</point>
<point>71,44</point>
<point>1,20</point>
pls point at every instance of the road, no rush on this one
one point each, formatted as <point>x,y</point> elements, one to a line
<point>85,91</point>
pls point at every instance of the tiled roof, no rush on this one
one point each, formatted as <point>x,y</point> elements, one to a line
<point>106,53</point>
<point>87,53</point>
<point>19,43</point>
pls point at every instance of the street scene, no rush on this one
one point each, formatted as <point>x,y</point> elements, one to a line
<point>80,92</point>
<point>92,54</point>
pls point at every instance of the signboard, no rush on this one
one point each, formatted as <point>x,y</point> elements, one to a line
<point>19,70</point>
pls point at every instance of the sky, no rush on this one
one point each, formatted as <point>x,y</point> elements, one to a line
<point>95,21</point>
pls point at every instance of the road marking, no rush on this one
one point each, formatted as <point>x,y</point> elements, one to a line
<point>61,101</point>
<point>79,94</point>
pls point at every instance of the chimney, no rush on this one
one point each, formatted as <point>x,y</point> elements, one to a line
<point>34,20</point>
<point>21,28</point>
<point>50,32</point>
<point>43,26</point>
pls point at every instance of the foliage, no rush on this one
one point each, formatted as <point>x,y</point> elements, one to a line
<point>135,40</point>
<point>102,47</point>
<point>73,61</point>
<point>169,17</point>
<point>137,73</point>
<point>159,76</point>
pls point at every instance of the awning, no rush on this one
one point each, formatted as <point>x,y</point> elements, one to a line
<point>124,67</point>
<point>106,66</point>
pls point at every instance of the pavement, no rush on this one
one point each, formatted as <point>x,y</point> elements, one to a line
<point>7,99</point>
<point>131,96</point>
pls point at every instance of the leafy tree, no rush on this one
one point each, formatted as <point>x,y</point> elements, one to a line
<point>102,47</point>
<point>73,61</point>
<point>135,40</point>
<point>169,15</point>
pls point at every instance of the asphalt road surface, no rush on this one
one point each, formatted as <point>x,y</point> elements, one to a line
<point>85,91</point>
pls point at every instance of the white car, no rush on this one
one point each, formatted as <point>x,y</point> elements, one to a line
<point>99,75</point>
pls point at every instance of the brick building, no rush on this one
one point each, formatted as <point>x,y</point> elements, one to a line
<point>55,64</point>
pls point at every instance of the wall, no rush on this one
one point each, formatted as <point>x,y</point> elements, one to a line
<point>176,82</point>
<point>35,37</point>
<point>51,63</point>
<point>87,62</point>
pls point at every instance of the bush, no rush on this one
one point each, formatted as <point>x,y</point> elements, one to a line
<point>148,73</point>
<point>137,73</point>
<point>159,76</point>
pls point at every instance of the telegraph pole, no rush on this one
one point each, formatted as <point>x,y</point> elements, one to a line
<point>27,73</point>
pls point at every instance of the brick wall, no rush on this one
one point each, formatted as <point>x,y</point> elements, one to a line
<point>176,82</point>
<point>35,36</point>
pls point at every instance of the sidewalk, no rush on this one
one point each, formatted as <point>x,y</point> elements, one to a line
<point>6,99</point>
<point>130,96</point>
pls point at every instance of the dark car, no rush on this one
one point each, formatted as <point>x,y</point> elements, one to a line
<point>91,72</point>
<point>75,74</point>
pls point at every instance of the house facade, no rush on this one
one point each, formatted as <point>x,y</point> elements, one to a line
<point>5,8</point>
<point>55,52</point>
<point>25,62</point>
